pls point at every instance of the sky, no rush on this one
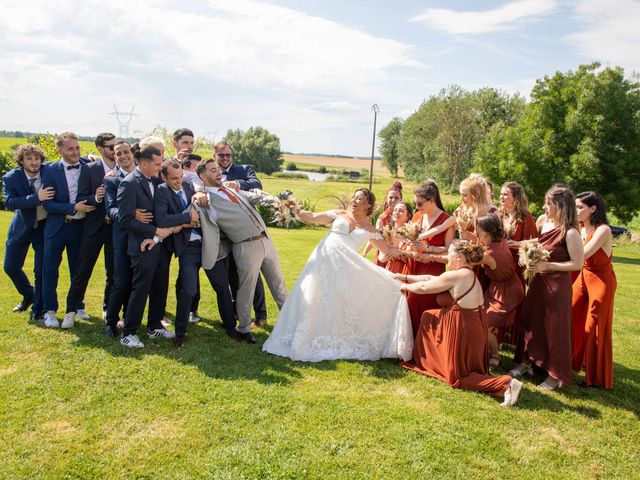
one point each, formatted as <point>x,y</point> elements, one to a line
<point>308,71</point>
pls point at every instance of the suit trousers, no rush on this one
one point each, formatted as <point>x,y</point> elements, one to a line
<point>90,247</point>
<point>150,280</point>
<point>190,262</point>
<point>14,257</point>
<point>251,259</point>
<point>259,297</point>
<point>121,288</point>
<point>67,238</point>
<point>219,278</point>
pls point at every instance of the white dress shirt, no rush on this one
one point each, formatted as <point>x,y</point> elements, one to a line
<point>194,235</point>
<point>72,176</point>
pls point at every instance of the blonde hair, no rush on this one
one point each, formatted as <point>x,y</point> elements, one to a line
<point>477,190</point>
<point>63,137</point>
<point>151,140</point>
<point>472,252</point>
<point>564,200</point>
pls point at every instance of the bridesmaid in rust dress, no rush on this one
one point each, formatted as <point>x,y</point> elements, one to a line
<point>451,344</point>
<point>392,198</point>
<point>395,260</point>
<point>593,293</point>
<point>518,225</point>
<point>547,308</point>
<point>505,293</point>
<point>430,215</point>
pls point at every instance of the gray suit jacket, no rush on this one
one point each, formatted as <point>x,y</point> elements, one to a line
<point>237,221</point>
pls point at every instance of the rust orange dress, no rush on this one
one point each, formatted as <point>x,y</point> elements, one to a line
<point>547,313</point>
<point>505,293</point>
<point>397,265</point>
<point>420,303</point>
<point>521,230</point>
<point>593,293</point>
<point>452,345</point>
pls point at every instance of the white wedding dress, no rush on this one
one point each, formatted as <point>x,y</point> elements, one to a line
<point>343,306</point>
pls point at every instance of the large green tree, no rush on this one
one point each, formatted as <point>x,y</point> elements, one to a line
<point>440,138</point>
<point>389,138</point>
<point>256,146</point>
<point>581,128</point>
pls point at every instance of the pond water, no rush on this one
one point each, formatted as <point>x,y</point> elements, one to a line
<point>313,176</point>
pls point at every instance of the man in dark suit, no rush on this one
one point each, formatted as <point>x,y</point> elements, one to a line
<point>150,263</point>
<point>241,177</point>
<point>172,209</point>
<point>24,194</point>
<point>121,287</point>
<point>96,229</point>
<point>63,228</point>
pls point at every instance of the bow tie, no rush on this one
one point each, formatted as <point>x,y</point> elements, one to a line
<point>71,167</point>
<point>148,180</point>
<point>226,172</point>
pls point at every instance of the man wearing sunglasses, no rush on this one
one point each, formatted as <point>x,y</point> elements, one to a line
<point>241,177</point>
<point>96,230</point>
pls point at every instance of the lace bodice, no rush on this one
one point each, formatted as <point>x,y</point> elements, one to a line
<point>354,239</point>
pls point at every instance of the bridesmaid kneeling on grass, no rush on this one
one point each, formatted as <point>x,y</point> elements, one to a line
<point>452,342</point>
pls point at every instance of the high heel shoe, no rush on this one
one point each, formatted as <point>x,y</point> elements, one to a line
<point>520,370</point>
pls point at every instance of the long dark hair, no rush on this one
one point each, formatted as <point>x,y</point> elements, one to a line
<point>429,191</point>
<point>369,197</point>
<point>591,199</point>
<point>492,224</point>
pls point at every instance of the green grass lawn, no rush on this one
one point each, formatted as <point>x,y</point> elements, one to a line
<point>75,404</point>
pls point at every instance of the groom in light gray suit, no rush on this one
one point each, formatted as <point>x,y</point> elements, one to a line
<point>233,213</point>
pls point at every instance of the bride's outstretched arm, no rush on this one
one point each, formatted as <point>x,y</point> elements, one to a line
<point>311,217</point>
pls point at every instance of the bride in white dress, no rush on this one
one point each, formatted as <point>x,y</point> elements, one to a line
<point>342,305</point>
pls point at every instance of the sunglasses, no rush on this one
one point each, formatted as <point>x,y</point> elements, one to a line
<point>419,204</point>
<point>225,155</point>
<point>110,147</point>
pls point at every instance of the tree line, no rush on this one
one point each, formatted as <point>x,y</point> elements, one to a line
<point>579,127</point>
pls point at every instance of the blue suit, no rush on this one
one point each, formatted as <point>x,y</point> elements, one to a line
<point>121,287</point>
<point>20,197</point>
<point>60,234</point>
<point>248,180</point>
<point>96,234</point>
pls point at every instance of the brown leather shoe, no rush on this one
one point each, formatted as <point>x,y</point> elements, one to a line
<point>260,322</point>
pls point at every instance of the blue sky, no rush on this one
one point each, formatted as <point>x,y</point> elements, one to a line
<point>309,71</point>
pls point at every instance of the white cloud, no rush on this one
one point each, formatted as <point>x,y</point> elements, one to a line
<point>505,17</point>
<point>610,33</point>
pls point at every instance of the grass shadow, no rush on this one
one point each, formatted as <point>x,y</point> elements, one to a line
<point>626,260</point>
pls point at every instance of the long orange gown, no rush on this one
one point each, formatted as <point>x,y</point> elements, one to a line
<point>593,293</point>
<point>452,345</point>
<point>521,230</point>
<point>505,293</point>
<point>420,303</point>
<point>547,313</point>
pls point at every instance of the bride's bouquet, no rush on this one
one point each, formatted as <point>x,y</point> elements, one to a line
<point>387,233</point>
<point>409,232</point>
<point>530,253</point>
<point>464,217</point>
<point>281,209</point>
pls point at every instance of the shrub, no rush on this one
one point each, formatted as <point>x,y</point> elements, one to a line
<point>291,166</point>
<point>322,169</point>
<point>6,163</point>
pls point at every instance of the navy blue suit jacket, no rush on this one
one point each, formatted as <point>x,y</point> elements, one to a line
<point>133,193</point>
<point>168,212</point>
<point>59,206</point>
<point>111,184</point>
<point>91,177</point>
<point>244,175</point>
<point>20,198</point>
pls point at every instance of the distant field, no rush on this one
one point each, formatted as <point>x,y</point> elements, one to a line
<point>337,162</point>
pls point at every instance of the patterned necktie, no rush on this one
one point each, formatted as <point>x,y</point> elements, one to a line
<point>231,196</point>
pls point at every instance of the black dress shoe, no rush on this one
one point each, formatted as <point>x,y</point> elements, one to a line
<point>22,306</point>
<point>36,317</point>
<point>178,342</point>
<point>109,331</point>
<point>247,337</point>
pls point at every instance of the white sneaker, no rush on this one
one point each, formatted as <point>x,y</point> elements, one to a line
<point>50,320</point>
<point>512,395</point>
<point>69,320</point>
<point>161,332</point>
<point>131,341</point>
<point>82,314</point>
<point>193,317</point>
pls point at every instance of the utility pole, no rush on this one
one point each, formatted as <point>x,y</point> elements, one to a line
<point>375,109</point>
<point>124,120</point>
